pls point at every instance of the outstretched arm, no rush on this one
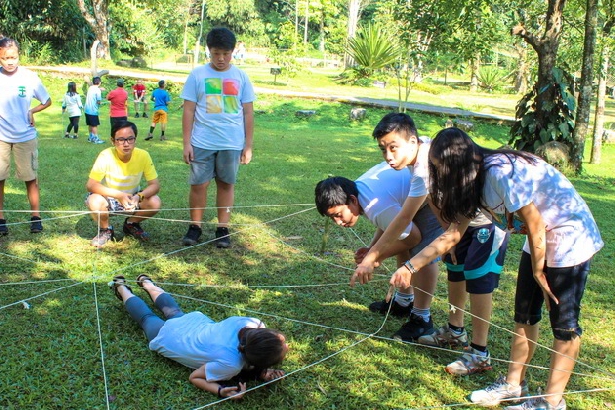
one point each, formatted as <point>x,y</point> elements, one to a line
<point>198,378</point>
<point>364,271</point>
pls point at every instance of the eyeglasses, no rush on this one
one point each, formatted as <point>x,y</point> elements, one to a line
<point>129,140</point>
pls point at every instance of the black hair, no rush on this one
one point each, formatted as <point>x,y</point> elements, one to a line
<point>6,42</point>
<point>334,191</point>
<point>261,347</point>
<point>96,80</point>
<point>222,38</point>
<point>71,88</point>
<point>396,122</point>
<point>123,124</point>
<point>161,83</point>
<point>456,183</point>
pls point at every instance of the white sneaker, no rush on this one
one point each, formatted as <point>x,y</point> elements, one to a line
<point>470,362</point>
<point>538,403</point>
<point>445,337</point>
<point>497,392</point>
<point>96,140</point>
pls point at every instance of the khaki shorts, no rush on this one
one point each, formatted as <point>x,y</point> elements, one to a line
<point>25,155</point>
<point>160,117</point>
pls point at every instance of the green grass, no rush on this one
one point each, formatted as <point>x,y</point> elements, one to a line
<point>75,347</point>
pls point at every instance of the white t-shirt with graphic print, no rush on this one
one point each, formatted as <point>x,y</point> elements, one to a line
<point>572,234</point>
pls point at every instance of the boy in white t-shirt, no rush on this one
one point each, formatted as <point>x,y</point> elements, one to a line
<point>218,127</point>
<point>379,195</point>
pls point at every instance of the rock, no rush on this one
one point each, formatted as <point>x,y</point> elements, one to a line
<point>555,153</point>
<point>448,123</point>
<point>608,136</point>
<point>138,62</point>
<point>464,125</point>
<point>357,114</point>
<point>124,63</point>
<point>305,113</point>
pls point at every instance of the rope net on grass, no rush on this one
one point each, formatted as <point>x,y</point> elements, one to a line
<point>344,270</point>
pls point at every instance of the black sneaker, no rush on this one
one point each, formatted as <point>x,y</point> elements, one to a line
<point>36,226</point>
<point>144,115</point>
<point>104,236</point>
<point>223,240</point>
<point>414,328</point>
<point>192,236</point>
<point>397,310</point>
<point>137,115</point>
<point>134,229</point>
<point>4,230</point>
<point>149,137</point>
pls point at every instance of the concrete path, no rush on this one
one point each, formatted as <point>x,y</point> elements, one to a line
<point>362,101</point>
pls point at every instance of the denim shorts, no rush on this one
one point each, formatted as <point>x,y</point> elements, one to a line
<point>430,229</point>
<point>567,284</point>
<point>207,165</point>
<point>477,262</point>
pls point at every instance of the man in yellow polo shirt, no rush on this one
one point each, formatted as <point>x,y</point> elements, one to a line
<point>114,185</point>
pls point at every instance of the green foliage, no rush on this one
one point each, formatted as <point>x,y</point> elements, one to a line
<point>553,120</point>
<point>492,77</point>
<point>287,61</point>
<point>371,50</point>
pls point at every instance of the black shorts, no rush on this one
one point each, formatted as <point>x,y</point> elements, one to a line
<point>92,120</point>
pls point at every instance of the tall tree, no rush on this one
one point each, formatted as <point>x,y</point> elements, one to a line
<point>97,16</point>
<point>606,41</point>
<point>587,75</point>
<point>546,112</point>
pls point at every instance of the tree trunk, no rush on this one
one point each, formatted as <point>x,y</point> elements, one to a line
<point>98,24</point>
<point>475,63</point>
<point>522,72</point>
<point>546,49</point>
<point>354,10</point>
<point>587,75</point>
<point>600,106</point>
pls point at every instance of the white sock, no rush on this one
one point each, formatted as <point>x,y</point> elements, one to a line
<point>404,299</point>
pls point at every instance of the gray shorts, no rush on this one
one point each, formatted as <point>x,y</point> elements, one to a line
<point>430,229</point>
<point>207,165</point>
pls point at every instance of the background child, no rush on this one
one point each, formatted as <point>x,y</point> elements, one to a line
<point>72,105</point>
<point>218,127</point>
<point>161,99</point>
<point>139,94</point>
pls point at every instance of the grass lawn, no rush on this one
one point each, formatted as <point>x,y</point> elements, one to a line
<point>67,343</point>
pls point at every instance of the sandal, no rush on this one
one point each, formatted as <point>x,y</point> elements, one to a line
<point>143,277</point>
<point>118,281</point>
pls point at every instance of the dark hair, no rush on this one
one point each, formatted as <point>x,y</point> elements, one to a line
<point>6,42</point>
<point>456,183</point>
<point>261,347</point>
<point>96,80</point>
<point>398,122</point>
<point>161,83</point>
<point>71,89</point>
<point>221,37</point>
<point>334,191</point>
<point>123,124</point>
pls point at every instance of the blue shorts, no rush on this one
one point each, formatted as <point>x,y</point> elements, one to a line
<point>477,262</point>
<point>207,165</point>
<point>430,229</point>
<point>567,284</point>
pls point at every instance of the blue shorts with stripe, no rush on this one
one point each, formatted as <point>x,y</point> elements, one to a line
<point>480,258</point>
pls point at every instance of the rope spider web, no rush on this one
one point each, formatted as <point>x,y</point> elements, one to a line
<point>117,370</point>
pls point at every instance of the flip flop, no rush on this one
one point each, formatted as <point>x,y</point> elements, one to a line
<point>118,281</point>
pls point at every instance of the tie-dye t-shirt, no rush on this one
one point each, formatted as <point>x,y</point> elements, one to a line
<point>219,95</point>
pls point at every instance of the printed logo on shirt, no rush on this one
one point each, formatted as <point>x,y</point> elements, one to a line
<point>22,91</point>
<point>222,96</point>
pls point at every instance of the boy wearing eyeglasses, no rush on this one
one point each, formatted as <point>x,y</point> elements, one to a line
<point>114,186</point>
